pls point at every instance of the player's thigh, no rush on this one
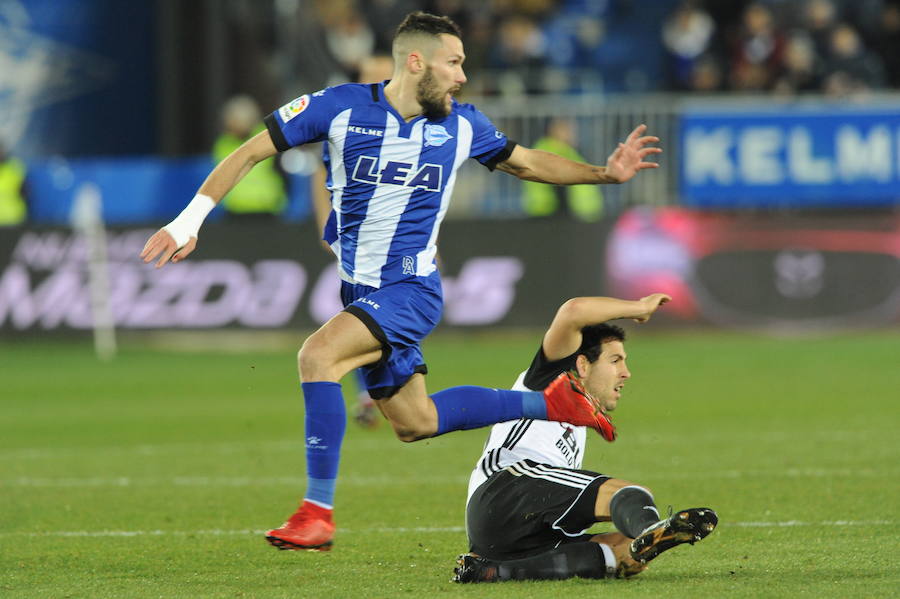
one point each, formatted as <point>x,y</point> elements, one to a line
<point>337,347</point>
<point>605,494</point>
<point>410,410</point>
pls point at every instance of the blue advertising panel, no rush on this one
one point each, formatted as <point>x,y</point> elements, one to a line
<point>78,78</point>
<point>134,190</point>
<point>791,156</point>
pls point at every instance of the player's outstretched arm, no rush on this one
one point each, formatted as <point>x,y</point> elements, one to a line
<point>179,238</point>
<point>564,335</point>
<point>545,167</point>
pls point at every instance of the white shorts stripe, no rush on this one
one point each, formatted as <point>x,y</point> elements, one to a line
<point>558,476</point>
<point>564,472</point>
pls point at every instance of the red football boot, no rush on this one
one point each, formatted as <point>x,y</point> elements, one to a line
<point>311,528</point>
<point>567,401</point>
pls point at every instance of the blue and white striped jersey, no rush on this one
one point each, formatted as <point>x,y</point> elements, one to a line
<point>390,180</point>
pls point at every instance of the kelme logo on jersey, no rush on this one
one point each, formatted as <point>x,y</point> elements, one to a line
<point>428,176</point>
<point>436,135</point>
<point>289,111</point>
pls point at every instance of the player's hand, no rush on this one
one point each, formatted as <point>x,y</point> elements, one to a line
<point>650,304</point>
<point>162,244</point>
<point>629,157</point>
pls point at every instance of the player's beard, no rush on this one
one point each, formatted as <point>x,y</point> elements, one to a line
<point>431,98</point>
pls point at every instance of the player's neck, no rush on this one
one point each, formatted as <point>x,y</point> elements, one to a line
<point>401,94</point>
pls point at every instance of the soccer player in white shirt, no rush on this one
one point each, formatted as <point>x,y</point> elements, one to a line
<point>529,501</point>
<point>392,151</point>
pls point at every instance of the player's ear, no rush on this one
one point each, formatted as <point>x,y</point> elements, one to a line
<point>415,62</point>
<point>581,365</point>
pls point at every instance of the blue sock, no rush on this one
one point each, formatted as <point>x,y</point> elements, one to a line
<point>462,408</point>
<point>326,419</point>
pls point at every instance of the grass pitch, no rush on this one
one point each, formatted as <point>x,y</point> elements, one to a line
<point>154,475</point>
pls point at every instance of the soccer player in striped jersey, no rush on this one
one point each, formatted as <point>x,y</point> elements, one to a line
<point>392,150</point>
<point>529,502</point>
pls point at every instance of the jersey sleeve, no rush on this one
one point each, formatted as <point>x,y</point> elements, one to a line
<point>490,146</point>
<point>301,121</point>
<point>542,371</point>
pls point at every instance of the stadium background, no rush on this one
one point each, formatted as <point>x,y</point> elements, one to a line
<point>773,221</point>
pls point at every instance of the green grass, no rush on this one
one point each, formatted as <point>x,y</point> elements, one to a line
<point>152,475</point>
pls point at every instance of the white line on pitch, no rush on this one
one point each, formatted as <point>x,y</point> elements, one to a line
<point>379,441</point>
<point>221,481</point>
<point>387,529</point>
<point>395,479</point>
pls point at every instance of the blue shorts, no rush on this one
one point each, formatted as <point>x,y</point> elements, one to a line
<point>399,315</point>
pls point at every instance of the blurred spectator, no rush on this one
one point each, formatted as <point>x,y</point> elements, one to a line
<point>820,19</point>
<point>261,193</point>
<point>886,42</point>
<point>519,56</point>
<point>382,17</point>
<point>534,9</point>
<point>687,35</point>
<point>802,71</point>
<point>350,40</point>
<point>849,67</point>
<point>347,35</point>
<point>758,51</point>
<point>707,75</point>
<point>13,195</point>
<point>582,202</point>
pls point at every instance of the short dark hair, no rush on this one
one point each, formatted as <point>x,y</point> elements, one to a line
<point>429,24</point>
<point>594,336</point>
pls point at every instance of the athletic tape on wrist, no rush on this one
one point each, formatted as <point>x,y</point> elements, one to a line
<point>187,224</point>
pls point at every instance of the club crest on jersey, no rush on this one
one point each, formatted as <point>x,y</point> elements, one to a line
<point>393,172</point>
<point>295,107</point>
<point>436,135</point>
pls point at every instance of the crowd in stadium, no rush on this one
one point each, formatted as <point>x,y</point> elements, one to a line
<point>513,46</point>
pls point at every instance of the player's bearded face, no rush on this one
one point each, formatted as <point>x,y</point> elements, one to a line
<point>605,377</point>
<point>434,99</point>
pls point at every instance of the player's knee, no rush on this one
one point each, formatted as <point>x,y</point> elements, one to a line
<point>621,484</point>
<point>409,434</point>
<point>644,487</point>
<point>311,362</point>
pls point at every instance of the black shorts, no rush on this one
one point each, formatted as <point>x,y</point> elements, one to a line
<point>529,508</point>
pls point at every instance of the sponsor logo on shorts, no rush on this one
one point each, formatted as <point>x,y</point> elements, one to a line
<point>368,302</point>
<point>289,111</point>
<point>409,265</point>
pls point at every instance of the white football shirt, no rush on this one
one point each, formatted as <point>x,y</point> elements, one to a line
<point>553,443</point>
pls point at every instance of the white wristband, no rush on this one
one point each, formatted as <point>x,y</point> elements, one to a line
<point>187,224</point>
